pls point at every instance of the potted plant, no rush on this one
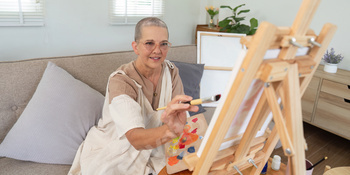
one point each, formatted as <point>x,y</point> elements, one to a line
<point>331,61</point>
<point>212,11</point>
<point>232,24</point>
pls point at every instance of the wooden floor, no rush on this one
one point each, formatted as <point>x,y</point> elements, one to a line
<point>322,143</point>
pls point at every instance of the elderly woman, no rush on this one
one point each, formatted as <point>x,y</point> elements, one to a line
<point>129,137</point>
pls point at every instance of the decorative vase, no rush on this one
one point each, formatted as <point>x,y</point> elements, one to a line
<point>211,22</point>
<point>330,68</point>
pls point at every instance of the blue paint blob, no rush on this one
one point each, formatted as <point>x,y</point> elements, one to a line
<point>181,155</point>
<point>191,149</point>
<point>201,137</point>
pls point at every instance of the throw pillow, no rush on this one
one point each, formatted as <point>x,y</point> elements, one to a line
<point>191,75</point>
<point>55,121</point>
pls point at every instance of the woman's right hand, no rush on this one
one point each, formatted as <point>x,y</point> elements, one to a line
<point>174,115</point>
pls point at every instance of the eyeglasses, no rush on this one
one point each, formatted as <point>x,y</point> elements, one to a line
<point>151,45</point>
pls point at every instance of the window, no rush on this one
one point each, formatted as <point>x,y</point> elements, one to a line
<point>131,11</point>
<point>21,12</point>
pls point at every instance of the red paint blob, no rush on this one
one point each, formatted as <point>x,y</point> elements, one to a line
<point>195,120</point>
<point>194,131</point>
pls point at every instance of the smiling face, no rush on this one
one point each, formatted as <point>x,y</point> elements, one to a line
<point>151,48</point>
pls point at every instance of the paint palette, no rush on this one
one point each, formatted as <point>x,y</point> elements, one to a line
<point>188,142</point>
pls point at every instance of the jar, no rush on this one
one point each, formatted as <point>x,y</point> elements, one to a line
<point>276,162</point>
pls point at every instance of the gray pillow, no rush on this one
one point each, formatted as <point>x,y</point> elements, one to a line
<point>55,121</point>
<point>191,75</point>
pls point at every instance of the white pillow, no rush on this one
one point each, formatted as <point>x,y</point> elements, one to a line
<point>55,121</point>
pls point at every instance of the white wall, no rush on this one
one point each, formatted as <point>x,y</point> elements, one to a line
<point>71,29</point>
<point>81,27</point>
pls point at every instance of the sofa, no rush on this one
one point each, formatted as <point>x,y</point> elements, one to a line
<point>19,84</point>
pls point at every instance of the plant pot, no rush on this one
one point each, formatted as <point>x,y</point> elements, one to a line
<point>330,68</point>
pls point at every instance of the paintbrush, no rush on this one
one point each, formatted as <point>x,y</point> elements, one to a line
<point>198,101</point>
<point>317,163</point>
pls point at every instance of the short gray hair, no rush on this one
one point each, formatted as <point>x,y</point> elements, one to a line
<point>149,21</point>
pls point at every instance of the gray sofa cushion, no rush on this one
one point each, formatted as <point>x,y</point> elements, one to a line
<point>10,166</point>
<point>55,121</point>
<point>191,75</point>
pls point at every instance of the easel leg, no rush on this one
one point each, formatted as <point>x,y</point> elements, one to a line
<point>294,121</point>
<point>280,124</point>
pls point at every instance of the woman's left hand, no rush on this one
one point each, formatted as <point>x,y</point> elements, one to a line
<point>174,115</point>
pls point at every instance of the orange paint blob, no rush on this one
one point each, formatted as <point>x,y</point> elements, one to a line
<point>173,160</point>
<point>187,138</point>
<point>187,128</point>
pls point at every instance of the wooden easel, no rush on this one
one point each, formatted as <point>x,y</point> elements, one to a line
<point>285,77</point>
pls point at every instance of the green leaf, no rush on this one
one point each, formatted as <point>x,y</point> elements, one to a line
<point>234,27</point>
<point>243,29</point>
<point>238,19</point>
<point>227,18</point>
<point>235,9</point>
<point>225,6</point>
<point>253,26</point>
<point>243,11</point>
<point>226,28</point>
<point>231,17</point>
<point>251,32</point>
<point>224,23</point>
<point>253,23</point>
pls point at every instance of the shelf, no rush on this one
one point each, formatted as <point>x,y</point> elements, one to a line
<point>326,102</point>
